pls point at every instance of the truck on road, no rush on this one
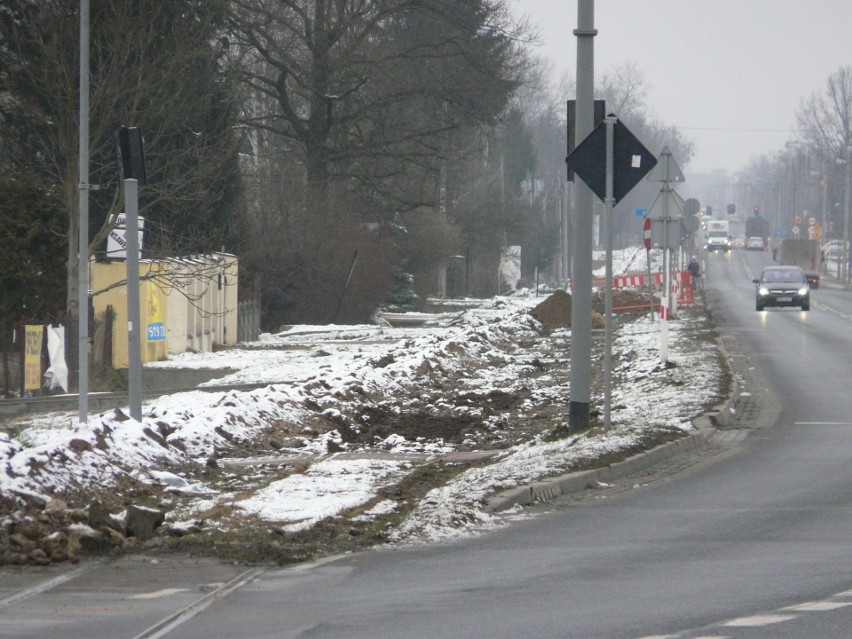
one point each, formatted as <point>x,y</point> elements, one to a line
<point>757,226</point>
<point>717,236</point>
<point>802,253</point>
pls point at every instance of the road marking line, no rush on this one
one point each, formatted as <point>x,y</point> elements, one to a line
<point>44,586</point>
<point>165,592</point>
<point>823,307</point>
<point>676,636</point>
<point>758,620</point>
<point>819,606</point>
<point>773,618</point>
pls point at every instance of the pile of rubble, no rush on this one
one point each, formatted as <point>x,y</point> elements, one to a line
<point>58,533</point>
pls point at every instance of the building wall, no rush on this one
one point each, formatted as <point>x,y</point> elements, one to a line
<point>195,299</point>
<point>202,304</point>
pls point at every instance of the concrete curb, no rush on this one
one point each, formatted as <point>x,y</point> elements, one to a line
<point>575,482</point>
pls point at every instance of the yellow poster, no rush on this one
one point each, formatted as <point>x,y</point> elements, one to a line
<point>32,357</point>
<point>155,314</point>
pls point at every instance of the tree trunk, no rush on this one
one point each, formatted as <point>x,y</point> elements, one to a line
<point>70,322</point>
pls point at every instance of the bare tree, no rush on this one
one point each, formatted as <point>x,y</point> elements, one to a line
<point>825,134</point>
<point>349,81</point>
<point>825,121</point>
<point>374,104</point>
<point>154,65</point>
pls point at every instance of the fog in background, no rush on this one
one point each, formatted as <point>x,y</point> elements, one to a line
<point>730,74</point>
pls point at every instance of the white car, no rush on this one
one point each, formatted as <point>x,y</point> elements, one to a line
<point>831,249</point>
<point>755,244</point>
<point>718,241</point>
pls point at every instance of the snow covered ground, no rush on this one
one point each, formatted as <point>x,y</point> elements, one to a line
<point>320,433</point>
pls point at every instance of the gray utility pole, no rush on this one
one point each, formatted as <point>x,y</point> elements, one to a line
<point>581,253</point>
<point>83,224</point>
<point>134,341</point>
<point>609,201</point>
<point>844,249</point>
<point>131,168</point>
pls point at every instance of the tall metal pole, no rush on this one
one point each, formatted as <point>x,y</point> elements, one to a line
<point>609,201</point>
<point>844,249</point>
<point>134,324</point>
<point>582,241</point>
<point>563,234</point>
<point>83,224</point>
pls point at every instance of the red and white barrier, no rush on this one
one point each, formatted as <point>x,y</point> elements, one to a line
<point>681,284</point>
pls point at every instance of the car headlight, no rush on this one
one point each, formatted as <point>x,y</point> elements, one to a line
<point>763,291</point>
<point>803,291</point>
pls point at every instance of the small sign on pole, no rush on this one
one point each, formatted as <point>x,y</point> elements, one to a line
<point>117,238</point>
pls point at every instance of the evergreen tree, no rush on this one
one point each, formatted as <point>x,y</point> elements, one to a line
<point>31,271</point>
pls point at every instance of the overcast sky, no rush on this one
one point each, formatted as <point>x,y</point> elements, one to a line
<point>730,74</point>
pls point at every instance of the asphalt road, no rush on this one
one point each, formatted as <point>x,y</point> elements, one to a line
<point>750,537</point>
<point>756,528</point>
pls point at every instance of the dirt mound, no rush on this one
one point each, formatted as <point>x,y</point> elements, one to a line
<point>555,312</point>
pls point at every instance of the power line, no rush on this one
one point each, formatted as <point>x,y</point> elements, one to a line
<point>738,130</point>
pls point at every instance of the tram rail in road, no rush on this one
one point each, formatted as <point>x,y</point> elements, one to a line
<point>132,597</point>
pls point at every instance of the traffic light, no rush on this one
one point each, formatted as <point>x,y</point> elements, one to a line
<point>709,211</point>
<point>756,209</point>
<point>131,156</point>
<point>732,208</point>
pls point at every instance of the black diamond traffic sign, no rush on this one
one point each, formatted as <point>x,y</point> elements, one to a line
<point>631,160</point>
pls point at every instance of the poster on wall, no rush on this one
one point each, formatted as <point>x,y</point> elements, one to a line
<point>57,373</point>
<point>155,317</point>
<point>32,357</point>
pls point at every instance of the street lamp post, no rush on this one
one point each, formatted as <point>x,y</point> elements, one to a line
<point>843,271</point>
<point>83,223</point>
<point>844,252</point>
<point>579,413</point>
<point>824,202</point>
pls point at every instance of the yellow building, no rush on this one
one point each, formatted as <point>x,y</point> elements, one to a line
<point>186,304</point>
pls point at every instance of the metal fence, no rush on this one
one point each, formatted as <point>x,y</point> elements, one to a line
<point>102,377</point>
<point>248,321</point>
